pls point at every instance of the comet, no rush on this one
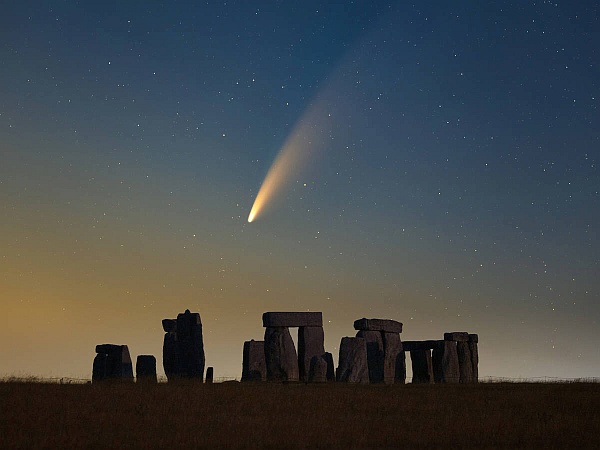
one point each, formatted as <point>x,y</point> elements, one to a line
<point>292,158</point>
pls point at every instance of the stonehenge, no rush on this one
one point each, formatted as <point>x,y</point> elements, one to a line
<point>183,346</point>
<point>112,362</point>
<point>385,355</point>
<point>454,359</point>
<point>281,360</point>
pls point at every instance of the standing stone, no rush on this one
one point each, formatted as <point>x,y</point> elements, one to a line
<point>473,340</point>
<point>190,345</point>
<point>253,361</point>
<point>353,366</point>
<point>170,355</point>
<point>328,357</point>
<point>375,355</point>
<point>394,368</point>
<point>281,359</point>
<point>318,370</point>
<point>445,363</point>
<point>422,367</point>
<point>209,375</point>
<point>465,364</point>
<point>310,344</point>
<point>145,369</point>
<point>115,363</point>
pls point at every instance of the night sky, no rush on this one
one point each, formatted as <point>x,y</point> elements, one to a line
<point>448,179</point>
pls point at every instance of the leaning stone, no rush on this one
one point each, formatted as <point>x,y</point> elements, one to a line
<point>445,363</point>
<point>456,336</point>
<point>328,357</point>
<point>375,355</point>
<point>253,361</point>
<point>389,326</point>
<point>169,325</point>
<point>474,360</point>
<point>353,367</point>
<point>310,343</point>
<point>318,370</point>
<point>392,362</point>
<point>292,319</point>
<point>409,346</point>
<point>190,345</point>
<point>465,365</point>
<point>209,375</point>
<point>422,367</point>
<point>145,369</point>
<point>281,359</point>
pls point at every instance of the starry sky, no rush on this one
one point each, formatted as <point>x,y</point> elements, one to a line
<point>449,181</point>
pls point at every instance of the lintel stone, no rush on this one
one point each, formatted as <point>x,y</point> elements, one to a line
<point>386,325</point>
<point>409,346</point>
<point>473,338</point>
<point>292,319</point>
<point>457,336</point>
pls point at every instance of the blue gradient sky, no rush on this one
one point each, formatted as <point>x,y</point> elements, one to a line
<point>454,186</point>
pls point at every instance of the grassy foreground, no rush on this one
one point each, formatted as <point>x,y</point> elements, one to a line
<point>234,415</point>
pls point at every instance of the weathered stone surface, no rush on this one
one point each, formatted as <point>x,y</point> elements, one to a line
<point>209,375</point>
<point>311,343</point>
<point>394,368</point>
<point>409,346</point>
<point>281,359</point>
<point>353,367</point>
<point>389,326</point>
<point>445,363</point>
<point>473,338</point>
<point>169,325</point>
<point>292,319</point>
<point>456,336</point>
<point>145,369</point>
<point>465,365</point>
<point>112,362</point>
<point>375,355</point>
<point>170,357</point>
<point>190,345</point>
<point>328,357</point>
<point>253,362</point>
<point>474,360</point>
<point>422,367</point>
<point>318,370</point>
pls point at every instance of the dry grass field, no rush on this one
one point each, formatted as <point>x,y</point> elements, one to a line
<point>234,415</point>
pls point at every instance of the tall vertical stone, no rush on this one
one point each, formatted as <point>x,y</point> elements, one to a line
<point>253,361</point>
<point>394,369</point>
<point>473,340</point>
<point>445,362</point>
<point>422,367</point>
<point>190,345</point>
<point>145,369</point>
<point>311,343</point>
<point>170,356</point>
<point>353,366</point>
<point>328,357</point>
<point>375,354</point>
<point>465,364</point>
<point>281,359</point>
